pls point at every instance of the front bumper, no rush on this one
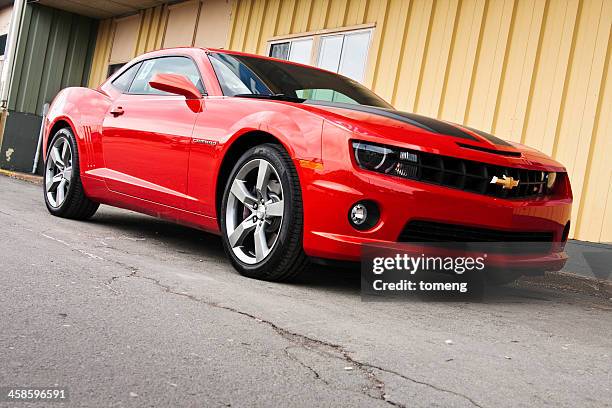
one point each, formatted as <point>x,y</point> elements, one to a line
<point>328,197</point>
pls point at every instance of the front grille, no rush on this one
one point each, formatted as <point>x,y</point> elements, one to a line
<point>470,175</point>
<point>426,231</point>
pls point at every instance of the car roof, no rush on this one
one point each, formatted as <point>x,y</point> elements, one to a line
<point>165,51</point>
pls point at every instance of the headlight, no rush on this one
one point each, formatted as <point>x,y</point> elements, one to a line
<point>550,180</point>
<point>374,157</point>
<point>386,159</point>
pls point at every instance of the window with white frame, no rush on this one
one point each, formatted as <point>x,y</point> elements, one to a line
<point>343,52</point>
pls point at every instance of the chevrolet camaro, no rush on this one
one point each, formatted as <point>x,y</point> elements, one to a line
<point>290,163</point>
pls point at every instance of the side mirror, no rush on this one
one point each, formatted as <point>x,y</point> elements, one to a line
<point>176,84</point>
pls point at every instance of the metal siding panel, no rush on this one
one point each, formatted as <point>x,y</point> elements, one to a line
<point>337,14</point>
<point>393,34</point>
<point>550,73</point>
<point>516,78</point>
<point>577,118</point>
<point>37,47</point>
<point>269,24</point>
<point>180,27</point>
<point>125,39</point>
<point>303,8</point>
<point>413,52</point>
<point>91,48</point>
<point>461,61</point>
<point>489,64</point>
<point>379,9</point>
<point>320,9</point>
<point>253,32</point>
<point>77,52</point>
<point>101,53</point>
<point>287,14</point>
<point>356,12</point>
<point>442,32</point>
<point>55,61</point>
<point>213,24</point>
<point>47,40</point>
<point>591,166</point>
<point>160,31</point>
<point>20,54</point>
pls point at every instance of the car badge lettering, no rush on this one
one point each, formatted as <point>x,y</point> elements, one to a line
<point>205,141</point>
<point>508,183</point>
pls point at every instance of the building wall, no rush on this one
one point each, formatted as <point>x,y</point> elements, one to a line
<point>53,39</point>
<point>5,22</point>
<point>531,71</point>
<point>5,19</point>
<point>200,23</point>
<point>53,52</point>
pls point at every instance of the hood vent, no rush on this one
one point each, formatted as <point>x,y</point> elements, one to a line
<point>493,151</point>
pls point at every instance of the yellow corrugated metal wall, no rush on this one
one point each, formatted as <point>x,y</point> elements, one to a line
<point>532,71</point>
<point>187,23</point>
<point>149,37</point>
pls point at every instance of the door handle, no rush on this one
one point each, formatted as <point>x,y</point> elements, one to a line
<point>118,111</point>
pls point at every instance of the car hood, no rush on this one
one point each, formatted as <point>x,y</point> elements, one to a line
<point>423,133</point>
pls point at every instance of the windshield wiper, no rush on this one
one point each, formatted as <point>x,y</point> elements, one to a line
<point>276,97</point>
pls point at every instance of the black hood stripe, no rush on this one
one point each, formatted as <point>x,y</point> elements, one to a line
<point>422,122</point>
<point>438,126</point>
<point>387,113</point>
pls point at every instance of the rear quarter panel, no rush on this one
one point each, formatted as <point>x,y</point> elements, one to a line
<point>83,109</point>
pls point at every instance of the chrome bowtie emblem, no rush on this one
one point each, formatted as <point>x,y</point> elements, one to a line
<point>508,183</point>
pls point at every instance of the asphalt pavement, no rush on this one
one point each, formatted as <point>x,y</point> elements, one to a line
<point>127,310</point>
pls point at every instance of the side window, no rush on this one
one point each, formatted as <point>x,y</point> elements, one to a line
<point>166,65</point>
<point>124,80</point>
<point>327,95</point>
<point>236,78</point>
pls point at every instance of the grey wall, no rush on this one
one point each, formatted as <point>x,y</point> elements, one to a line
<point>20,141</point>
<point>54,51</point>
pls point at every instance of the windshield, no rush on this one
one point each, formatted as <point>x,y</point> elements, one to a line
<point>241,75</point>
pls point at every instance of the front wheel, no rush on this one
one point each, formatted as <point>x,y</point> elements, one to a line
<point>261,215</point>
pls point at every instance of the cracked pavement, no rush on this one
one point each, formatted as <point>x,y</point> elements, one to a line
<point>128,310</point>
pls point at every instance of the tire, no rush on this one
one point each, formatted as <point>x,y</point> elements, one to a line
<point>250,207</point>
<point>62,172</point>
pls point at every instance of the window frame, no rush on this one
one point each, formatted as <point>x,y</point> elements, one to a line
<point>122,71</point>
<point>126,67</point>
<point>316,40</point>
<point>5,45</point>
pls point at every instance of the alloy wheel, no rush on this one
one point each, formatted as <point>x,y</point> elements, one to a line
<point>254,211</point>
<point>58,172</point>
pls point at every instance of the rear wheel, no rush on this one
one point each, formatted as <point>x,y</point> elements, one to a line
<point>64,194</point>
<point>261,215</point>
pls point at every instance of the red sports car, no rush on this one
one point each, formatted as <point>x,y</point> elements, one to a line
<point>290,163</point>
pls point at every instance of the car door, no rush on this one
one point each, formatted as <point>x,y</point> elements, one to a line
<point>146,135</point>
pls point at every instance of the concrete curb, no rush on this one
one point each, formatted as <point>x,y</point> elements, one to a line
<point>30,178</point>
<point>570,282</point>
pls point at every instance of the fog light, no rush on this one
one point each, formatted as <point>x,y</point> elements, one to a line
<point>359,213</point>
<point>363,215</point>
